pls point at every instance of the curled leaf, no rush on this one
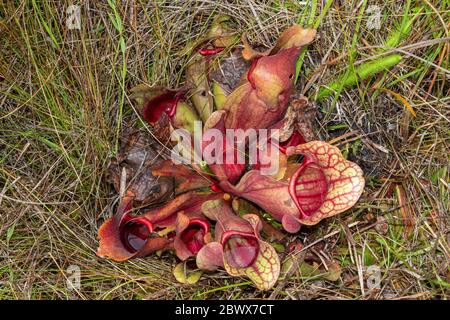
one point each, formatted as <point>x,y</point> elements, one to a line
<point>295,36</point>
<point>210,257</point>
<point>124,236</point>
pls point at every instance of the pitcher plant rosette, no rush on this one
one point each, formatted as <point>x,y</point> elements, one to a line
<point>188,209</point>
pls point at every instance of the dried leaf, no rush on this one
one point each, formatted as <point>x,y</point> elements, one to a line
<point>229,71</point>
<point>137,155</point>
<point>405,209</point>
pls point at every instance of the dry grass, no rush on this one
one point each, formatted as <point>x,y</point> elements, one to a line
<point>64,102</point>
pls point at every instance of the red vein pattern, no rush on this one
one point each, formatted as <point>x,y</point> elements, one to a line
<point>265,271</point>
<point>342,179</point>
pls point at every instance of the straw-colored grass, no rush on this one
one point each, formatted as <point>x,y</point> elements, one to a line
<point>64,101</point>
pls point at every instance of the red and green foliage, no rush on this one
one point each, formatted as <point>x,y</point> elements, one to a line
<point>199,222</point>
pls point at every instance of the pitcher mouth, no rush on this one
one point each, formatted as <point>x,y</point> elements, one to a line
<point>193,235</point>
<point>134,233</point>
<point>306,202</point>
<point>164,103</point>
<point>240,249</point>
